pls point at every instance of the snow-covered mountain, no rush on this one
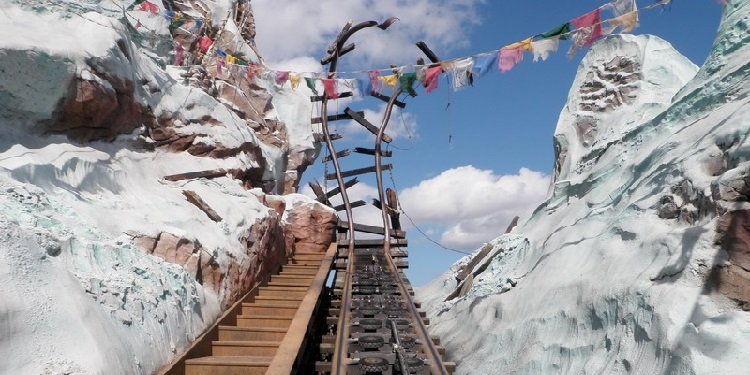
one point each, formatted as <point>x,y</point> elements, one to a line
<point>638,261</point>
<point>112,260</point>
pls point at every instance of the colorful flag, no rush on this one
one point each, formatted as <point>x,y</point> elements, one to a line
<point>483,63</point>
<point>626,16</point>
<point>406,83</point>
<point>562,31</point>
<point>588,30</point>
<point>390,80</point>
<point>281,77</point>
<point>432,78</point>
<point>205,43</point>
<point>543,47</point>
<point>294,79</point>
<point>179,52</point>
<point>219,65</point>
<point>374,81</point>
<point>512,54</point>
<point>460,72</point>
<point>148,6</point>
<point>329,87</point>
<point>311,85</point>
<point>220,52</point>
<point>253,71</point>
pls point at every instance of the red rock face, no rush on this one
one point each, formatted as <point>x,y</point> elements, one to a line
<point>733,278</point>
<point>95,111</point>
<point>312,227</point>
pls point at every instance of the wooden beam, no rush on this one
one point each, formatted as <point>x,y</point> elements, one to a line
<point>337,190</point>
<point>360,119</point>
<point>373,243</point>
<point>195,199</point>
<point>359,171</point>
<point>319,98</point>
<point>340,116</point>
<point>393,208</point>
<point>321,196</point>
<point>213,173</point>
<point>346,49</point>
<point>428,52</point>
<point>356,204</point>
<point>340,154</point>
<point>386,99</point>
<point>371,151</point>
<point>344,226</point>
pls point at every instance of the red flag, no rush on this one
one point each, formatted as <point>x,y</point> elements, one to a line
<point>147,6</point>
<point>205,43</point>
<point>329,85</point>
<point>592,22</point>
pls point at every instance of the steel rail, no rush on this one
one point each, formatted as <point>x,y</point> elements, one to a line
<point>379,170</point>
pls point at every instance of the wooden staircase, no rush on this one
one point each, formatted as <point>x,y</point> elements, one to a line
<point>252,345</point>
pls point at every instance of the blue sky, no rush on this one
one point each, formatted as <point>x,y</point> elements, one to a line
<point>503,124</point>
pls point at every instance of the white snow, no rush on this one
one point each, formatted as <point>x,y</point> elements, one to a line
<point>78,295</point>
<point>595,282</point>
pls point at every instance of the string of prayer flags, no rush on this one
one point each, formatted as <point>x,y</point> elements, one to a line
<point>205,43</point>
<point>588,30</point>
<point>626,16</point>
<point>483,63</point>
<point>460,72</point>
<point>281,77</point>
<point>512,54</point>
<point>311,85</point>
<point>329,87</point>
<point>432,78</point>
<point>406,83</point>
<point>294,79</point>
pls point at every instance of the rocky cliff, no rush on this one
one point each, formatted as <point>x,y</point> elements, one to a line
<point>138,198</point>
<point>636,263</point>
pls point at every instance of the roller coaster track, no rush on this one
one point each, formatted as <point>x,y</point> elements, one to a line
<point>378,327</point>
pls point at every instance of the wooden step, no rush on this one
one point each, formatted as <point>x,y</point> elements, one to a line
<point>309,256</point>
<point>233,333</point>
<point>286,303</point>
<point>307,278</point>
<point>269,308</point>
<point>243,348</point>
<point>275,291</point>
<point>306,270</point>
<point>291,283</point>
<point>298,273</point>
<point>263,321</point>
<point>244,365</point>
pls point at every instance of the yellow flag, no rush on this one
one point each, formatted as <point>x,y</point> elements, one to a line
<point>523,45</point>
<point>294,79</point>
<point>390,80</point>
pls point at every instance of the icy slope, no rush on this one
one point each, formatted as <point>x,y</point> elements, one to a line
<point>108,264</point>
<point>624,268</point>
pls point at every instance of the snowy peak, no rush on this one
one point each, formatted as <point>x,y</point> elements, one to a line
<point>623,81</point>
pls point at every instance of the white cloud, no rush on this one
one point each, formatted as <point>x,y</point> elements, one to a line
<point>476,205</point>
<point>294,28</point>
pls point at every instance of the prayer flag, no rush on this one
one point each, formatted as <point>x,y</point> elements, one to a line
<point>219,65</point>
<point>205,43</point>
<point>620,7</point>
<point>406,82</point>
<point>588,30</point>
<point>512,54</point>
<point>483,63</point>
<point>179,51</point>
<point>294,79</point>
<point>281,77</point>
<point>169,15</point>
<point>432,78</point>
<point>148,6</point>
<point>311,84</point>
<point>460,72</point>
<point>329,86</point>
<point>542,48</point>
<point>374,81</point>
<point>197,25</point>
<point>421,72</point>
<point>626,16</point>
<point>220,52</point>
<point>365,88</point>
<point>253,71</point>
<point>562,31</point>
<point>390,80</point>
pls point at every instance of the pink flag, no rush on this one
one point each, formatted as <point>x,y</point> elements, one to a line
<point>253,71</point>
<point>147,6</point>
<point>588,30</point>
<point>431,78</point>
<point>281,77</point>
<point>179,52</point>
<point>374,82</point>
<point>508,58</point>
<point>329,85</point>
<point>219,65</point>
